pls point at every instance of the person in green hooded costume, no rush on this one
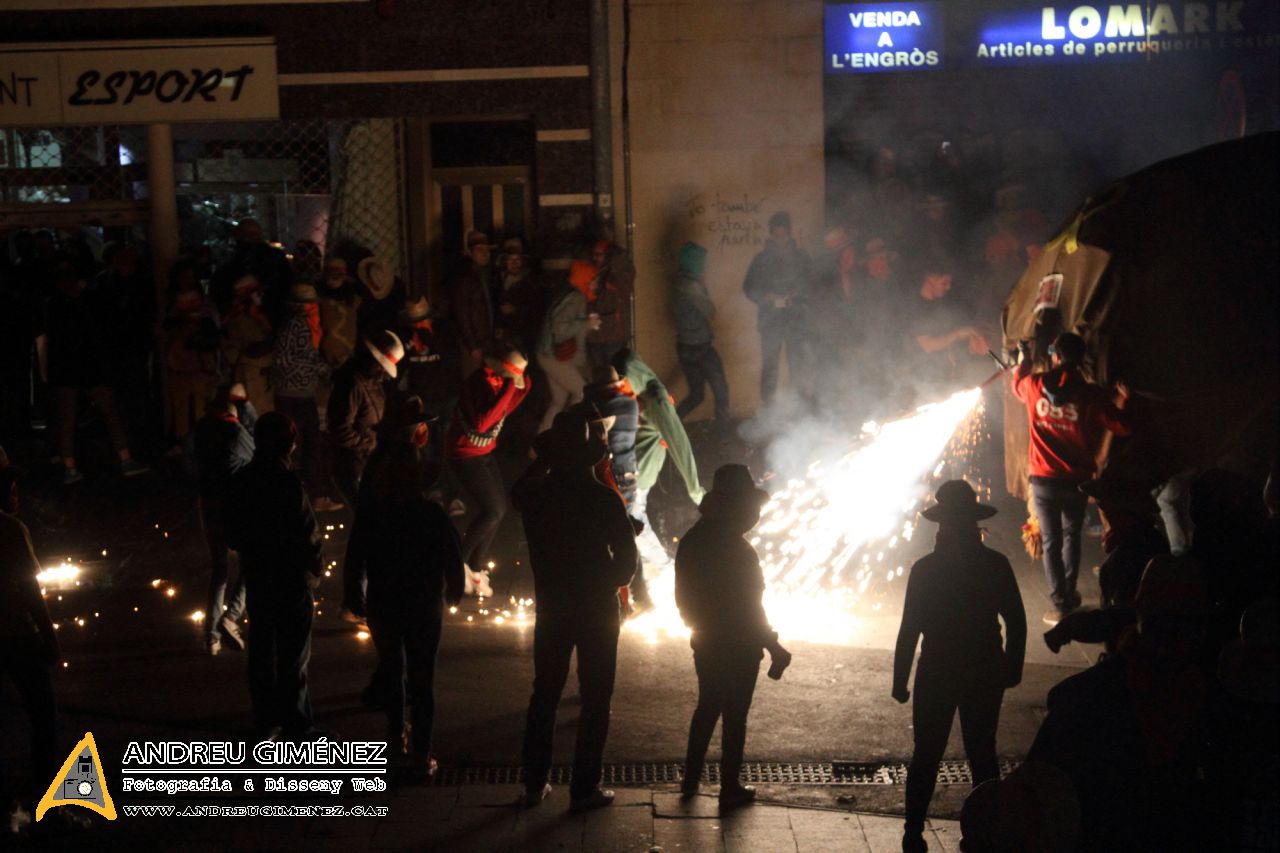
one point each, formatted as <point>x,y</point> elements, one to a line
<point>661,432</point>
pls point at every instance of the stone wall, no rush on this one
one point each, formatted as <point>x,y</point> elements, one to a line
<point>726,128</point>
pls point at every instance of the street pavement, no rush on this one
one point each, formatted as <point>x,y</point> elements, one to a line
<point>135,671</point>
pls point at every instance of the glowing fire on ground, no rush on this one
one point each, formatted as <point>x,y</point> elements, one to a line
<point>827,539</point>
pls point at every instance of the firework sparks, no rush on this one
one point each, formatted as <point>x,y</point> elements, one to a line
<point>828,537</point>
<point>65,575</point>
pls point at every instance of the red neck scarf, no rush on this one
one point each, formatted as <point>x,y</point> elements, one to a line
<point>249,309</point>
<point>419,345</point>
<point>311,311</point>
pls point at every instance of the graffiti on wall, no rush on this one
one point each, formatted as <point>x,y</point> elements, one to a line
<point>728,220</point>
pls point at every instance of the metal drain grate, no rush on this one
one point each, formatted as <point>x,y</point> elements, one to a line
<point>762,773</point>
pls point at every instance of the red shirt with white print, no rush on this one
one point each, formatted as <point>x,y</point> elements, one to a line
<point>487,398</point>
<point>1065,436</point>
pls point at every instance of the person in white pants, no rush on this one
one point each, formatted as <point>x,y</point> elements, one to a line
<point>562,344</point>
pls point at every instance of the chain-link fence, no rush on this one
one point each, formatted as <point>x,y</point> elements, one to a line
<point>312,184</point>
<point>70,164</point>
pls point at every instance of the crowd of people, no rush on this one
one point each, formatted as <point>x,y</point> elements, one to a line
<point>298,388</point>
<point>899,328</point>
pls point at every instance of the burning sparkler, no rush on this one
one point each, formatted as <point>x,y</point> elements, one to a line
<point>827,537</point>
<point>65,575</point>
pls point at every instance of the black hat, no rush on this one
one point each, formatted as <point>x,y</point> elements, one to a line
<point>956,501</point>
<point>403,420</point>
<point>568,444</point>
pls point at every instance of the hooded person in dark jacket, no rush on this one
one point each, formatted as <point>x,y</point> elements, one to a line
<point>406,549</point>
<point>271,524</point>
<point>582,549</point>
<point>356,406</point>
<point>719,589</point>
<point>693,309</point>
<point>779,281</point>
<point>955,597</point>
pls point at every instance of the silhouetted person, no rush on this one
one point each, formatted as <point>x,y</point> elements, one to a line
<point>1067,416</point>
<point>778,281</point>
<point>69,350</point>
<point>356,406</point>
<point>406,548</point>
<point>222,448</point>
<point>582,549</point>
<point>471,300</point>
<point>1131,539</point>
<point>1228,518</point>
<point>1130,731</point>
<point>955,599</point>
<point>254,256</point>
<point>617,281</point>
<point>719,590</point>
<point>692,309</point>
<point>28,646</point>
<point>126,295</point>
<point>271,524</point>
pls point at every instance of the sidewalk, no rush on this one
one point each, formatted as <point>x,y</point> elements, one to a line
<point>485,819</point>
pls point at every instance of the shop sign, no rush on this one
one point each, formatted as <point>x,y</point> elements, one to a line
<point>1087,33</point>
<point>869,37</point>
<point>138,82</point>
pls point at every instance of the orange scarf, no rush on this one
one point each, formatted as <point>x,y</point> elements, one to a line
<point>312,312</point>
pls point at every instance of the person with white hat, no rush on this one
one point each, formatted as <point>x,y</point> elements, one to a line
<point>489,395</point>
<point>956,598</point>
<point>356,406</point>
<point>382,295</point>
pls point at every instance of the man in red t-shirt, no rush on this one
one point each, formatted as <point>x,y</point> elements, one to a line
<point>489,394</point>
<point>1068,415</point>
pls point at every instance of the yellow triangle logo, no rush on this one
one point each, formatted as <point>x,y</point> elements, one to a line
<point>80,782</point>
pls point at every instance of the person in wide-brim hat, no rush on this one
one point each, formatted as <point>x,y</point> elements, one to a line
<point>957,503</point>
<point>603,376</point>
<point>417,309</point>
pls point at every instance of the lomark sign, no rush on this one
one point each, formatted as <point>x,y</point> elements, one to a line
<point>877,37</point>
<point>1124,31</point>
<point>138,82</point>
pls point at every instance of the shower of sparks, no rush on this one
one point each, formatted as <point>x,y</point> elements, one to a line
<point>827,539</point>
<point>65,575</point>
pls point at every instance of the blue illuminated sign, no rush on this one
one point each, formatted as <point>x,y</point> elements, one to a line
<point>867,37</point>
<point>1107,32</point>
